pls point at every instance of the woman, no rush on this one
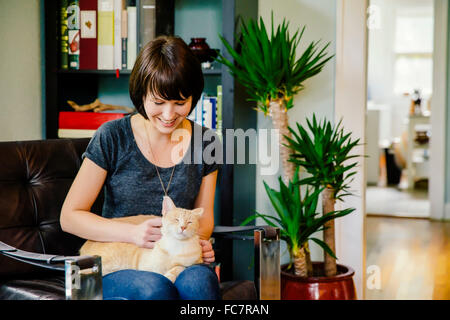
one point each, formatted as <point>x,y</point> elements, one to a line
<point>139,159</point>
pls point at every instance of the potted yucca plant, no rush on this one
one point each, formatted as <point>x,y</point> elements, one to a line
<point>324,152</point>
<point>298,220</point>
<point>268,67</point>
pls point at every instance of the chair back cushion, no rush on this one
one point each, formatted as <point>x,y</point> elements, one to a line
<point>35,177</point>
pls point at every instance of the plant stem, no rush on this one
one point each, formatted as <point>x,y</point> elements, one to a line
<point>303,264</point>
<point>309,266</point>
<point>328,202</point>
<point>300,268</point>
<point>280,122</point>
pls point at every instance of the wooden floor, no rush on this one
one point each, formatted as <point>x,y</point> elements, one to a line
<point>413,256</point>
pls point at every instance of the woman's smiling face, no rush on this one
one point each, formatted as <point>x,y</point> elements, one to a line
<point>166,115</point>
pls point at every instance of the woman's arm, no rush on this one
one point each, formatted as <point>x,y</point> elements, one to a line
<point>205,200</point>
<point>76,217</point>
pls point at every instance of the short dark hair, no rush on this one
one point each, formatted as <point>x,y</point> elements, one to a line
<point>168,69</point>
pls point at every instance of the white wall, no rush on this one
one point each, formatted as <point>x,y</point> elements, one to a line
<point>20,70</point>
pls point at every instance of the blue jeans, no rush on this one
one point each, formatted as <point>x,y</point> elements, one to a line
<point>198,282</point>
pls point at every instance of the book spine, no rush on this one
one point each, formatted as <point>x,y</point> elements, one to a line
<point>132,37</point>
<point>88,35</point>
<point>75,133</point>
<point>117,34</point>
<point>213,101</point>
<point>64,36</point>
<point>207,108</point>
<point>73,26</point>
<point>85,120</point>
<point>105,38</point>
<point>219,111</point>
<point>124,30</point>
<point>148,18</point>
<point>199,111</point>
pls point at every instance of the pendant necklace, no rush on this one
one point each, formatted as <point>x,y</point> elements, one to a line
<point>166,190</point>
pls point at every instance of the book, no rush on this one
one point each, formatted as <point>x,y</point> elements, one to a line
<point>147,20</point>
<point>117,34</point>
<point>132,37</point>
<point>105,36</point>
<point>73,26</point>
<point>88,35</point>
<point>86,120</point>
<point>219,111</point>
<point>207,113</point>
<point>124,31</point>
<point>213,101</point>
<point>199,110</point>
<point>75,133</point>
<point>64,36</point>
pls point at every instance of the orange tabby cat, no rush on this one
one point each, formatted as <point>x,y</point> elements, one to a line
<point>178,248</point>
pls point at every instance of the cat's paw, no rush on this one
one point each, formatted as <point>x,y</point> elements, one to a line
<point>172,277</point>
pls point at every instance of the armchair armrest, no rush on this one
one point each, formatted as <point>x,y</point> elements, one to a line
<point>267,256</point>
<point>83,274</point>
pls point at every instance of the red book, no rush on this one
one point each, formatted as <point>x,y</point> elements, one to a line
<point>86,120</point>
<point>88,36</point>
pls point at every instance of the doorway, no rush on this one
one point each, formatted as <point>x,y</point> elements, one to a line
<point>405,130</point>
<point>399,92</point>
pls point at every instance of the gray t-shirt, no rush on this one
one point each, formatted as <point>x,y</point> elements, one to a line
<point>132,185</point>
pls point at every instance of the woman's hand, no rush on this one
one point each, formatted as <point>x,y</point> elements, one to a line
<point>146,233</point>
<point>207,251</point>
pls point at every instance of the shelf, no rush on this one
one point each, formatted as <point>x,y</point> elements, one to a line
<point>425,146</point>
<point>206,72</point>
<point>212,72</point>
<point>107,72</point>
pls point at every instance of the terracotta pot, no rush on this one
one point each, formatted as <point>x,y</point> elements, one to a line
<point>339,287</point>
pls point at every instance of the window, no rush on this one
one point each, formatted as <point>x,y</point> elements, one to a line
<point>413,67</point>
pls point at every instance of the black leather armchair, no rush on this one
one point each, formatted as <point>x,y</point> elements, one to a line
<point>40,261</point>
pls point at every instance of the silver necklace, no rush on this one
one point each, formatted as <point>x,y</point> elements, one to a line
<point>166,190</point>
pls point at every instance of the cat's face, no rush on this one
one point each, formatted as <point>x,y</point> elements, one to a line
<point>181,223</point>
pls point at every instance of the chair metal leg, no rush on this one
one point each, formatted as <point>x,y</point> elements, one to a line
<point>84,280</point>
<point>267,263</point>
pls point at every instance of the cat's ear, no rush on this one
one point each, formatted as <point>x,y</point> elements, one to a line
<point>167,205</point>
<point>198,212</point>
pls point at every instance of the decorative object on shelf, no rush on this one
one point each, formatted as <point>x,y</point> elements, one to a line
<point>272,74</point>
<point>98,106</point>
<point>203,52</point>
<point>422,137</point>
<point>416,103</point>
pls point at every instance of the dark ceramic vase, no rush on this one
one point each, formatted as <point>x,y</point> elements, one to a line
<point>201,49</point>
<point>339,287</point>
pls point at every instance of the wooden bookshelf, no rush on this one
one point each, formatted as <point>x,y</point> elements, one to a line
<point>235,183</point>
